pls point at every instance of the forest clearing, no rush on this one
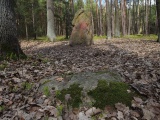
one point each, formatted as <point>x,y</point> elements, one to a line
<point>80,60</point>
<point>135,60</point>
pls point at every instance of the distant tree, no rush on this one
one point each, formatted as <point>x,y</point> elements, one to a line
<point>158,17</point>
<point>100,18</point>
<point>97,19</point>
<point>79,4</point>
<point>147,15</point>
<point>108,12</point>
<point>50,21</point>
<point>123,12</point>
<point>9,45</point>
<point>117,26</point>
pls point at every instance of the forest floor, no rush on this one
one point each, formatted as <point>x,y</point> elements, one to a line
<point>136,60</point>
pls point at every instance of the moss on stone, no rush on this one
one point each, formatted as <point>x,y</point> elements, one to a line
<point>110,93</point>
<point>46,91</point>
<point>3,66</point>
<point>2,108</point>
<point>75,92</point>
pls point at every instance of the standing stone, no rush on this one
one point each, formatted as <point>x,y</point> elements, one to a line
<point>82,32</point>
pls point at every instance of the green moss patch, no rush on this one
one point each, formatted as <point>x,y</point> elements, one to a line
<point>46,91</point>
<point>2,108</point>
<point>27,85</point>
<point>110,93</point>
<point>3,66</point>
<point>75,92</point>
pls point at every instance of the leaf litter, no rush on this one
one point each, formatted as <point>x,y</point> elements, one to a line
<point>137,61</point>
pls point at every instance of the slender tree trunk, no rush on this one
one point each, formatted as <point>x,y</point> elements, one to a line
<point>97,14</point>
<point>138,19</point>
<point>67,20</point>
<point>143,18</point>
<point>113,16</point>
<point>100,18</point>
<point>146,19</point>
<point>72,4</point>
<point>117,27</point>
<point>33,21</point>
<point>123,9</point>
<point>26,27</point>
<point>50,21</point>
<point>158,17</point>
<point>109,36</point>
<point>129,18</point>
<point>9,44</point>
<point>150,15</point>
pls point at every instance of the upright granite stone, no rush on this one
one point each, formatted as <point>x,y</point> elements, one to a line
<point>82,32</point>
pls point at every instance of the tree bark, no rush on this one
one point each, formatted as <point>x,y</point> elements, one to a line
<point>158,17</point>
<point>146,20</point>
<point>97,14</point>
<point>33,21</point>
<point>100,18</point>
<point>129,18</point>
<point>117,28</point>
<point>26,27</point>
<point>50,21</point>
<point>109,36</point>
<point>113,16</point>
<point>123,10</point>
<point>9,45</point>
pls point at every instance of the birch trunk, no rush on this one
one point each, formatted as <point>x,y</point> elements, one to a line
<point>50,21</point>
<point>9,44</point>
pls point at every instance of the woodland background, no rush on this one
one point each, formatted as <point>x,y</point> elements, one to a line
<point>113,18</point>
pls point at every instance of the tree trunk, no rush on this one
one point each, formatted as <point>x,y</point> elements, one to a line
<point>108,20</point>
<point>97,14</point>
<point>50,21</point>
<point>158,17</point>
<point>146,20</point>
<point>26,27</point>
<point>100,18</point>
<point>9,45</point>
<point>117,28</point>
<point>33,21</point>
<point>67,20</point>
<point>113,16</point>
<point>129,18</point>
<point>123,10</point>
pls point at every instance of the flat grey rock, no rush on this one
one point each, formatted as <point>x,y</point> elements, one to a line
<point>87,80</point>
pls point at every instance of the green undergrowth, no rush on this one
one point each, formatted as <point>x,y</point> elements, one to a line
<point>45,39</point>
<point>46,91</point>
<point>136,36</point>
<point>12,56</point>
<point>3,66</point>
<point>141,36</point>
<point>27,85</point>
<point>99,37</point>
<point>110,93</point>
<point>75,92</point>
<point>2,108</point>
